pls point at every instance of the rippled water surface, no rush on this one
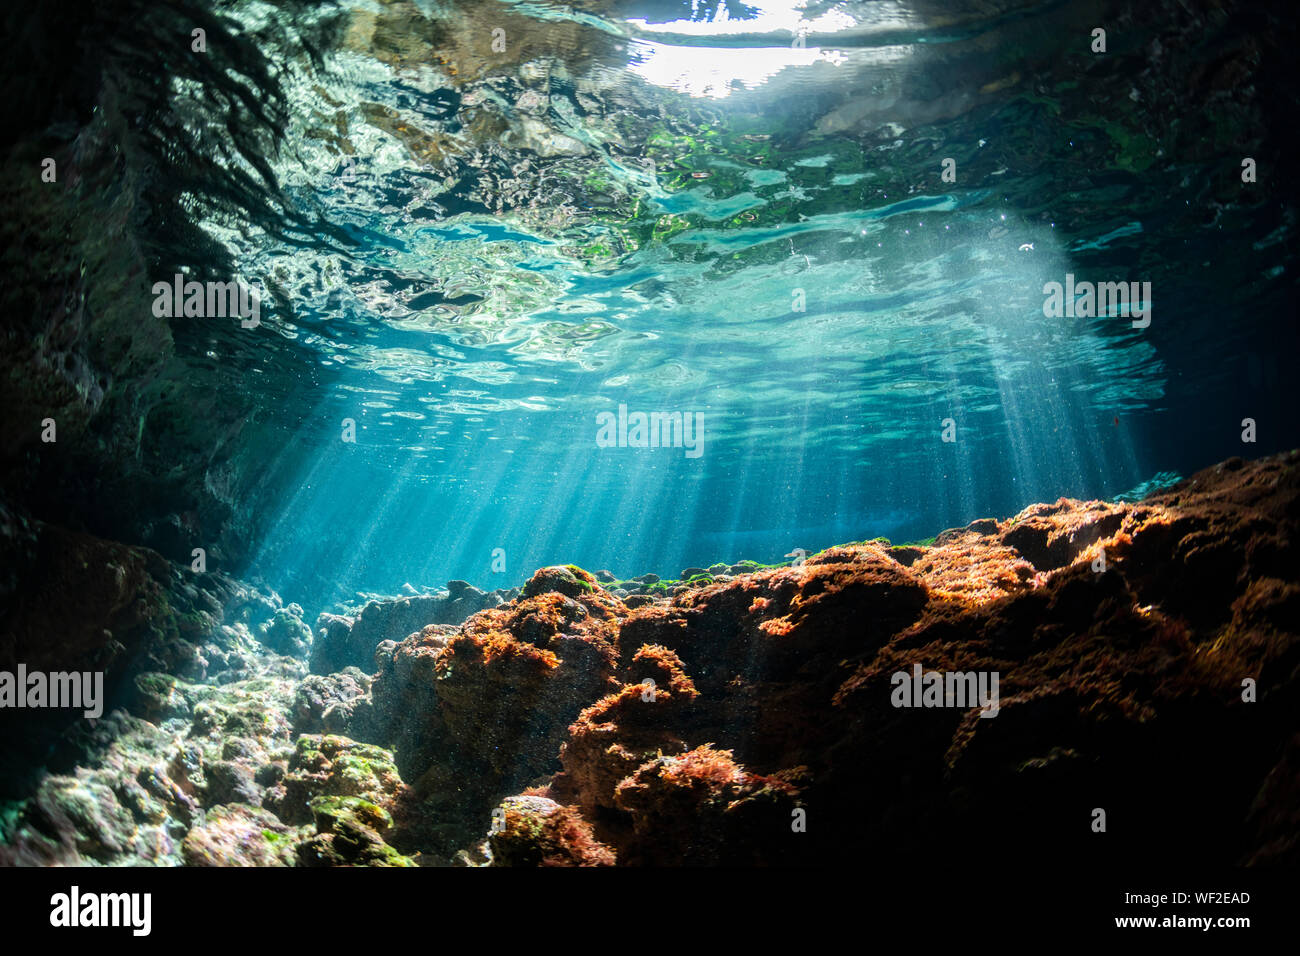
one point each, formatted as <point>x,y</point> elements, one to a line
<point>527,214</point>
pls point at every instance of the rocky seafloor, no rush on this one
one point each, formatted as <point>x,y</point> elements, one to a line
<point>1148,655</point>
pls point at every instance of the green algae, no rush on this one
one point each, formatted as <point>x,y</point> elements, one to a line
<point>329,810</point>
<point>581,577</point>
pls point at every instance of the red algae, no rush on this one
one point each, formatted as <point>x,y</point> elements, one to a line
<point>536,831</point>
<point>1144,652</point>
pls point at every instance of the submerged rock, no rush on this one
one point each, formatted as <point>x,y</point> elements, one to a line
<point>332,766</point>
<point>531,665</point>
<point>702,808</point>
<point>350,642</point>
<point>329,703</point>
<point>537,831</point>
<point>1143,652</point>
<point>240,835</point>
<point>286,633</point>
<point>349,832</point>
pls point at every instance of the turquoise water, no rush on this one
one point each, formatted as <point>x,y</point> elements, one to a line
<point>684,210</point>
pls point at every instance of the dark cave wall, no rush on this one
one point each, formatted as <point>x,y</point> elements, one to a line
<point>154,444</point>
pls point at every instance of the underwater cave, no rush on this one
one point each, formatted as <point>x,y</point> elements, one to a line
<point>649,433</point>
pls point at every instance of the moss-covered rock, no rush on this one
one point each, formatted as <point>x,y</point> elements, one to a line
<point>240,835</point>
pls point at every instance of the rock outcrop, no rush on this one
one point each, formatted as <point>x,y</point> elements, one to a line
<point>1115,682</point>
<point>350,641</point>
<point>1146,657</point>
